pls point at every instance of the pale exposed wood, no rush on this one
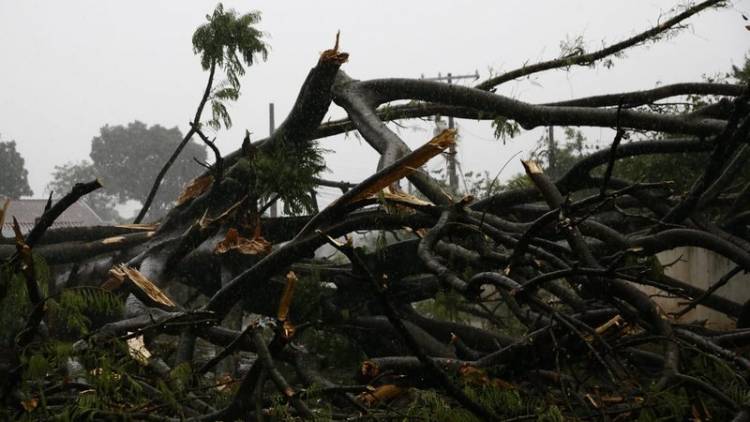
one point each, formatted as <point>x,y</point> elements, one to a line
<point>383,393</point>
<point>413,161</point>
<point>124,273</point>
<point>195,188</point>
<point>286,298</point>
<point>234,242</point>
<point>145,227</point>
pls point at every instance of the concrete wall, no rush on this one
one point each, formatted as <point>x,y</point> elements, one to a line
<point>702,268</point>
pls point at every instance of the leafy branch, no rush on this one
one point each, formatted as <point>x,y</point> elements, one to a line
<point>226,42</point>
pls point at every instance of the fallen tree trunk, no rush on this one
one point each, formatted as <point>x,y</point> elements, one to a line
<point>528,296</point>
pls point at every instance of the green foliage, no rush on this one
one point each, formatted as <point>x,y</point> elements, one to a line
<point>228,41</point>
<point>45,361</point>
<point>74,308</point>
<point>288,169</point>
<point>226,37</point>
<point>115,380</point>
<point>430,406</point>
<point>14,298</point>
<point>507,401</point>
<point>69,311</point>
<point>504,403</point>
<point>549,413</point>
<point>675,403</point>
<point>505,129</point>
<point>219,115</point>
<point>664,405</point>
<point>36,367</point>
<point>181,375</point>
<point>663,167</point>
<point>280,410</point>
<point>14,180</point>
<point>720,373</point>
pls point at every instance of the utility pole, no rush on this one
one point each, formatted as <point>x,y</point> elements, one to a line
<point>452,173</point>
<point>271,128</point>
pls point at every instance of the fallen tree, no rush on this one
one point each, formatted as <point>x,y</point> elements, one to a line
<point>547,279</point>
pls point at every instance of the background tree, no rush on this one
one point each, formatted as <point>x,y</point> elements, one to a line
<point>14,181</point>
<point>65,176</point>
<point>127,158</point>
<point>741,74</point>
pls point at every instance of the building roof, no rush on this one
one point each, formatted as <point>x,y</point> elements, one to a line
<point>27,211</point>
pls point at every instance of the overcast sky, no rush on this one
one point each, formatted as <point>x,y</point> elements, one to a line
<point>70,67</point>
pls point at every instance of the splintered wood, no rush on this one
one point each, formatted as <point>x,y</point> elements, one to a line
<point>334,55</point>
<point>383,393</point>
<point>409,164</point>
<point>234,242</point>
<point>122,273</point>
<point>532,167</point>
<point>286,297</point>
<point>369,370</point>
<point>137,350</point>
<point>195,188</point>
<point>205,221</point>
<point>400,197</point>
<point>113,240</point>
<point>477,376</point>
<point>143,227</point>
<point>285,303</point>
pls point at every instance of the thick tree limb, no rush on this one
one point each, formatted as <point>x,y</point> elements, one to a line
<point>531,116</point>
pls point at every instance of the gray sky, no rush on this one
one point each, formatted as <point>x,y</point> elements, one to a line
<point>71,67</point>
